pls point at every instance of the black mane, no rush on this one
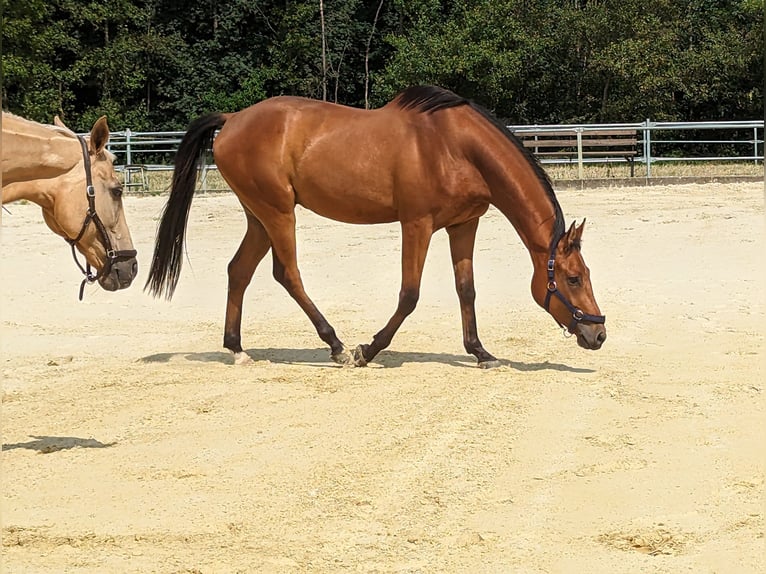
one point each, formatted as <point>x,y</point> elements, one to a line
<point>429,99</point>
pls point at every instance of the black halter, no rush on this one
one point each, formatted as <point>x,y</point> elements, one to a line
<point>91,215</point>
<point>577,314</point>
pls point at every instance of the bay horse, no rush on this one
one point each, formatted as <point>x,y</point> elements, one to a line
<point>72,178</point>
<point>428,159</point>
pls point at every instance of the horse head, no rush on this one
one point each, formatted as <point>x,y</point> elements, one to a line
<point>563,288</point>
<point>88,212</point>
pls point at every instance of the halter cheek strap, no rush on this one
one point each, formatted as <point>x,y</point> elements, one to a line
<point>578,314</point>
<point>91,215</point>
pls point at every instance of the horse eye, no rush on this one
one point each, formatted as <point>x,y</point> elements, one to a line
<point>117,191</point>
<point>573,281</point>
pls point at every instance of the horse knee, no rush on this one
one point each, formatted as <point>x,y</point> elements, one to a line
<point>280,276</point>
<point>236,277</point>
<point>408,300</point>
<point>290,280</point>
<point>466,291</point>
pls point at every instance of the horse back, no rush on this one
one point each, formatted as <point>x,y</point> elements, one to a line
<point>32,151</point>
<point>348,164</point>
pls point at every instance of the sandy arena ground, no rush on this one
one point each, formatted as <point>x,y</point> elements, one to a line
<point>131,443</point>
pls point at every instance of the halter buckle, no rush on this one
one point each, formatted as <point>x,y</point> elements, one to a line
<point>90,191</point>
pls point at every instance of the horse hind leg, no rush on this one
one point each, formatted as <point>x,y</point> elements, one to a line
<point>282,233</point>
<point>251,251</point>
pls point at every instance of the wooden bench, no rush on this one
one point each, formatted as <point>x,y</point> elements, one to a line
<point>606,144</point>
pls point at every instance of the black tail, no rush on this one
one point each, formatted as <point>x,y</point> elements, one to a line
<point>169,243</point>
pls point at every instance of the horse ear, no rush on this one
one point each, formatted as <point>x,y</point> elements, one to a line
<point>573,236</point>
<point>59,123</point>
<point>99,135</point>
<point>580,229</point>
<point>569,237</point>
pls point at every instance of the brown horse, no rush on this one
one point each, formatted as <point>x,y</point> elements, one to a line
<point>73,180</point>
<point>429,159</point>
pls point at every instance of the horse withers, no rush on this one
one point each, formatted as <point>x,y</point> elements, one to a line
<point>429,159</point>
<point>72,178</point>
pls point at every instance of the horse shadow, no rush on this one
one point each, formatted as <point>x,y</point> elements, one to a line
<point>387,359</point>
<point>49,444</point>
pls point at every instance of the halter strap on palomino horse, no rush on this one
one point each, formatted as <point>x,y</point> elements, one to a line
<point>578,315</point>
<point>91,215</point>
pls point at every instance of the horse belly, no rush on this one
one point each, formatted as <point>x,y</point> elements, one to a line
<point>348,197</point>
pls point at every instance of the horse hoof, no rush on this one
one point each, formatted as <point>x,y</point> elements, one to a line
<point>345,357</point>
<point>359,360</point>
<point>242,358</point>
<point>494,363</point>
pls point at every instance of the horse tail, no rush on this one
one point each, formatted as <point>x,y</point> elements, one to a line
<point>169,242</point>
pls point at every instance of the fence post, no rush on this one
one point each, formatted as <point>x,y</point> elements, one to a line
<point>755,144</point>
<point>128,156</point>
<point>203,179</point>
<point>579,153</point>
<point>648,148</point>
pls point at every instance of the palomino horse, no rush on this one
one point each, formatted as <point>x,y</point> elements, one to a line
<point>429,159</point>
<point>73,180</point>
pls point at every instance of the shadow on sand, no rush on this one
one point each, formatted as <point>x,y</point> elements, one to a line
<point>48,444</point>
<point>320,358</point>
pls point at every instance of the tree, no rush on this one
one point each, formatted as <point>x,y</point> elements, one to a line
<point>155,64</point>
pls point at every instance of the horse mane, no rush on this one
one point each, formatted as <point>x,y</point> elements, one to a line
<point>430,99</point>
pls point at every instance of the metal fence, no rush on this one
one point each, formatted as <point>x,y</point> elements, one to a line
<point>674,141</point>
<point>717,141</point>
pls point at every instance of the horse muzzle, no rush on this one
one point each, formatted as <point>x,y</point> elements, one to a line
<point>120,275</point>
<point>590,335</point>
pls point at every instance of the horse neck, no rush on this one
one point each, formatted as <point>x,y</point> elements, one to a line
<point>518,191</point>
<point>33,151</point>
<point>42,192</point>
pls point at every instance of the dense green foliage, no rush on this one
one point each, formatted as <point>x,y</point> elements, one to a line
<point>154,64</point>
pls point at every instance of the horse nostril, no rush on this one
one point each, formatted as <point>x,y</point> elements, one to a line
<point>601,337</point>
<point>134,268</point>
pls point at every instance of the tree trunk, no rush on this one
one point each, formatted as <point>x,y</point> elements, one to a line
<point>367,58</point>
<point>324,52</point>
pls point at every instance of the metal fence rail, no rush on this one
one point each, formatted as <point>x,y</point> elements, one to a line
<point>719,141</point>
<point>747,136</point>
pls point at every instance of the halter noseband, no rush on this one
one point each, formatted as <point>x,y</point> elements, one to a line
<point>91,215</point>
<point>578,314</point>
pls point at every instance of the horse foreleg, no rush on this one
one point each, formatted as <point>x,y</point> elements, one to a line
<point>251,251</point>
<point>461,241</point>
<point>287,274</point>
<point>416,236</point>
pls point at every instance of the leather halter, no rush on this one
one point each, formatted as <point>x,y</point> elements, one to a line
<point>578,314</point>
<point>91,215</point>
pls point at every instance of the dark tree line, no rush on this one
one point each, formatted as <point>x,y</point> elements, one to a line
<point>154,64</point>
